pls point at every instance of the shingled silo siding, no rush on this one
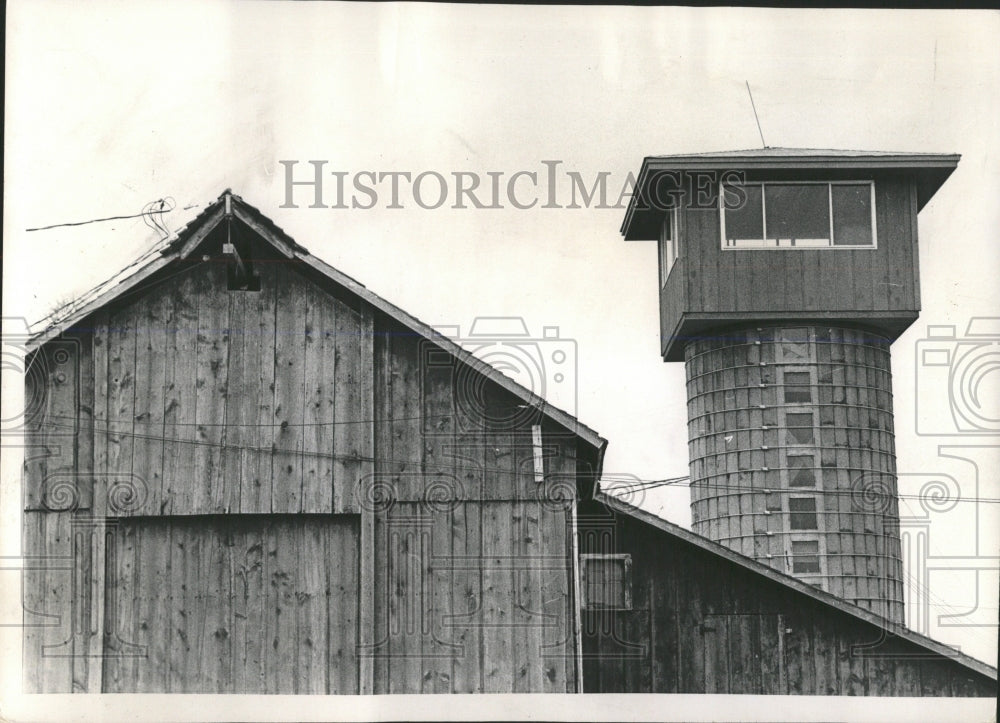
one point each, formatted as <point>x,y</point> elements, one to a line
<point>788,417</point>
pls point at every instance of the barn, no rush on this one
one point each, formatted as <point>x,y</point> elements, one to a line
<point>247,473</point>
<point>251,474</point>
<point>689,615</point>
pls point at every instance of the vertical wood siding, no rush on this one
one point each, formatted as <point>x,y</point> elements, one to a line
<point>737,284</point>
<point>196,400</point>
<point>702,624</point>
<point>472,555</point>
<point>195,410</point>
<point>232,604</point>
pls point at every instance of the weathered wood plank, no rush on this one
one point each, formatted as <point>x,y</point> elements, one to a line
<point>88,636</point>
<point>349,601</point>
<point>404,597</point>
<point>254,572</point>
<point>62,364</point>
<point>217,639</point>
<point>374,653</point>
<point>151,315</point>
<point>36,432</point>
<point>318,411</point>
<point>180,397</point>
<point>121,401</point>
<point>794,296</point>
<point>404,457</point>
<point>259,352</point>
<point>312,597</point>
<point>48,610</point>
<point>557,600</point>
<point>289,393</point>
<point>438,646</point>
<point>498,586</point>
<point>353,444</point>
<point>526,612</point>
<point>85,422</point>
<point>211,389</point>
<point>664,641</point>
<point>825,661</point>
<point>365,550</point>
<point>283,652</point>
<point>914,279</point>
<point>122,611</point>
<point>887,222</point>
<point>692,662</point>
<point>811,280</point>
<point>155,601</point>
<point>240,416</point>
<point>467,580</point>
<point>900,266</point>
<point>441,489</point>
<point>197,550</point>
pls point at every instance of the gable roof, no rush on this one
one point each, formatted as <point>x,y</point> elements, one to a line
<point>183,242</point>
<point>714,548</point>
<point>929,170</point>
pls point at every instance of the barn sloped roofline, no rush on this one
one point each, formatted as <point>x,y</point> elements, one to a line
<point>184,241</point>
<point>799,586</point>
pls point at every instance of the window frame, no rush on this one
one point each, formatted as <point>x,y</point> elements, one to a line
<point>763,210</point>
<point>815,512</point>
<point>820,555</point>
<point>789,471</point>
<point>626,559</point>
<point>666,263</point>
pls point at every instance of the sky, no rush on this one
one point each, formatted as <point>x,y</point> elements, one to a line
<point>111,105</point>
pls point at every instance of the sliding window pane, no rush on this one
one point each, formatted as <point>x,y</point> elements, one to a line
<point>797,214</point>
<point>745,224</point>
<point>852,215</point>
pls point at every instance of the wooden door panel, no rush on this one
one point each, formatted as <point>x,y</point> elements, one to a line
<point>233,604</point>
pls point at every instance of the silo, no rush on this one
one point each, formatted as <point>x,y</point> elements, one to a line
<point>784,277</point>
<point>792,456</point>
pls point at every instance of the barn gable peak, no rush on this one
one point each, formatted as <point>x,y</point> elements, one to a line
<point>236,230</point>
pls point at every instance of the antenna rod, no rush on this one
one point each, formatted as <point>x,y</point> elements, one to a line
<point>762,141</point>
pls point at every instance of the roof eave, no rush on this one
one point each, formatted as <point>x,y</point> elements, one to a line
<point>796,584</point>
<point>935,168</point>
<point>187,238</point>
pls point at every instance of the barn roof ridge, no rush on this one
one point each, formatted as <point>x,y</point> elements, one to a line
<point>183,241</point>
<point>794,583</point>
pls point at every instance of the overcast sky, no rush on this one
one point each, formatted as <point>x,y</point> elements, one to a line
<point>112,105</point>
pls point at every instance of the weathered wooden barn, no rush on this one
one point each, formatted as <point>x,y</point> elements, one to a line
<point>265,478</point>
<point>689,615</point>
<point>245,472</point>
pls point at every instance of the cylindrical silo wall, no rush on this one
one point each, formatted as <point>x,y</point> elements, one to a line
<point>792,455</point>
